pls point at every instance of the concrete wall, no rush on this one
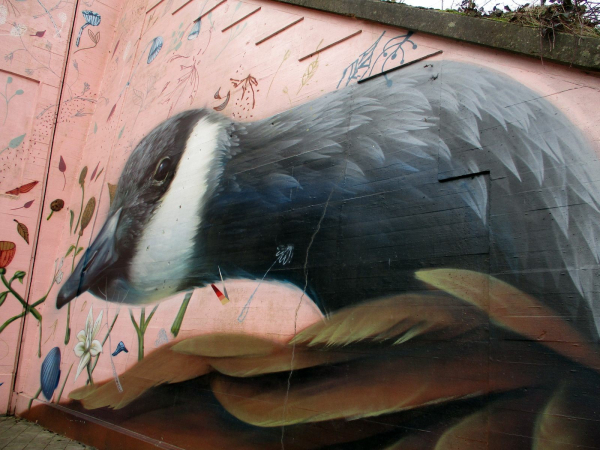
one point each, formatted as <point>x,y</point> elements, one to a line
<point>311,258</point>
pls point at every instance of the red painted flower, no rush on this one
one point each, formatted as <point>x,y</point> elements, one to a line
<point>7,253</point>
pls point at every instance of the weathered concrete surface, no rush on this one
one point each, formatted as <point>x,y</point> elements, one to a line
<point>17,434</point>
<point>577,51</point>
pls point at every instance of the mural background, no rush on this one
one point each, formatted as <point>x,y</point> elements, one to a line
<point>137,64</point>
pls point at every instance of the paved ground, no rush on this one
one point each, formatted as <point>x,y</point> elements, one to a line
<point>18,434</point>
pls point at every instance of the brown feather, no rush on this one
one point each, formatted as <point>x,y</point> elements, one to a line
<point>514,310</point>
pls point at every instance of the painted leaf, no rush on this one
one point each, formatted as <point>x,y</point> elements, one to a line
<point>71,248</point>
<point>95,127</point>
<point>94,172</point>
<point>3,297</point>
<point>82,175</point>
<point>19,275</point>
<point>22,230</point>
<point>112,111</point>
<point>99,173</point>
<point>19,92</point>
<point>62,166</point>
<point>15,142</point>
<point>195,30</point>
<point>138,98</point>
<point>88,212</point>
<point>78,251</point>
<point>121,132</point>
<point>157,44</point>
<point>28,204</point>
<point>71,220</point>
<point>23,189</point>
<point>112,190</point>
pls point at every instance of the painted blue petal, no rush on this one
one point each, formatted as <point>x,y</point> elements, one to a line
<point>195,30</point>
<point>157,44</point>
<point>50,372</point>
<point>120,348</point>
<point>92,18</point>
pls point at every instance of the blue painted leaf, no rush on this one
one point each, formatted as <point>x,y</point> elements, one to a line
<point>157,44</point>
<point>14,143</point>
<point>50,373</point>
<point>19,92</point>
<point>9,80</point>
<point>195,30</point>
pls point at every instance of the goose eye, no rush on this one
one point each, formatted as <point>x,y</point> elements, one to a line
<point>162,170</point>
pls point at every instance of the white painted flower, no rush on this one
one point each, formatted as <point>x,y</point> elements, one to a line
<point>62,17</point>
<point>3,14</point>
<point>87,345</point>
<point>18,30</point>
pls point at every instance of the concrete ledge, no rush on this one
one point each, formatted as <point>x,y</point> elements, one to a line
<point>568,49</point>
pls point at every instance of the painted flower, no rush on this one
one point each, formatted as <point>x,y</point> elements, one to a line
<point>18,30</point>
<point>7,253</point>
<point>87,345</point>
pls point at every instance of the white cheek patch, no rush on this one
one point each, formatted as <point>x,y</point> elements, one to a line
<point>167,242</point>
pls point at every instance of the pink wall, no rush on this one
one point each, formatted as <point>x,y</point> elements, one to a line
<point>112,96</point>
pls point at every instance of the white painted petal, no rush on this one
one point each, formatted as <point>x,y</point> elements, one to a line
<point>81,336</point>
<point>95,348</point>
<point>97,325</point>
<point>89,322</point>
<point>79,349</point>
<point>82,363</point>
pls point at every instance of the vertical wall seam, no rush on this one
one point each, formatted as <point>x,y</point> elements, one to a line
<point>34,255</point>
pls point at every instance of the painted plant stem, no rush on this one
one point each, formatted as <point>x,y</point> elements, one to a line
<point>141,328</point>
<point>27,308</point>
<point>181,314</point>
<point>63,385</point>
<point>112,325</point>
<point>37,394</point>
<point>82,176</point>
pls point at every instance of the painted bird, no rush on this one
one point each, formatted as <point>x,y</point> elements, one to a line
<point>451,165</point>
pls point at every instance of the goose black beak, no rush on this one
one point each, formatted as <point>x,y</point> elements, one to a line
<point>99,257</point>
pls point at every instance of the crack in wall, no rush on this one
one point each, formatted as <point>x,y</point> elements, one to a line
<point>289,381</point>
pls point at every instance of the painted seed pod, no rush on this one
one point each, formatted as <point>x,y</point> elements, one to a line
<point>56,206</point>
<point>91,18</point>
<point>7,253</point>
<point>88,212</point>
<point>157,44</point>
<point>82,175</point>
<point>50,373</point>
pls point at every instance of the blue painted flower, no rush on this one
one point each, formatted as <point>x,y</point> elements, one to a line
<point>120,348</point>
<point>157,44</point>
<point>50,373</point>
<point>91,18</point>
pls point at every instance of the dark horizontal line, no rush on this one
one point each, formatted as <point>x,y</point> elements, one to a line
<point>466,175</point>
<point>414,61</point>
<point>239,20</point>
<point>210,10</point>
<point>329,46</point>
<point>280,30</point>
